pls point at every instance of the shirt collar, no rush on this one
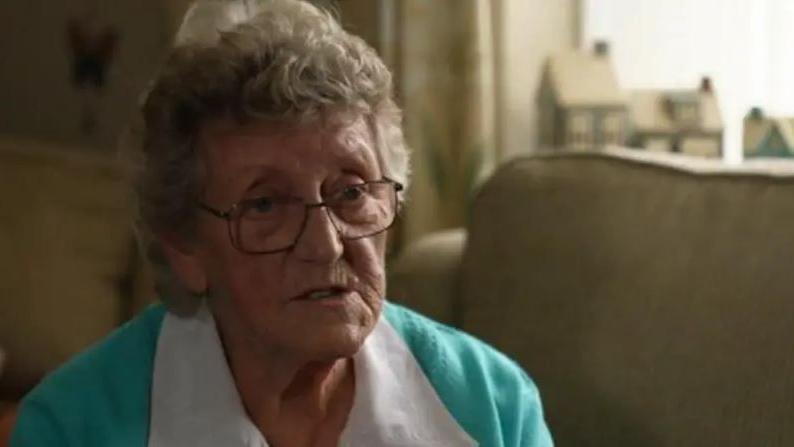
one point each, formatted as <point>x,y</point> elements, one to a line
<point>194,400</point>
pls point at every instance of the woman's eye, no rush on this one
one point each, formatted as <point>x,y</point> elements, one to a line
<point>262,204</point>
<point>353,193</point>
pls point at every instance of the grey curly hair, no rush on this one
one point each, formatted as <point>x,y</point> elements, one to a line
<point>247,60</point>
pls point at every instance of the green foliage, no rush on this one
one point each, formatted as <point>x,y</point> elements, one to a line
<point>454,173</point>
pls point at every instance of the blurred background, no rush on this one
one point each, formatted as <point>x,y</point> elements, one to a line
<point>482,83</point>
<point>468,72</point>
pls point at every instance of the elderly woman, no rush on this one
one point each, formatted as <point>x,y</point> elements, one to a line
<point>272,165</point>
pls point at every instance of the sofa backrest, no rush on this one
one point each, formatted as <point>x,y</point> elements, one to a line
<point>652,302</point>
<point>67,255</point>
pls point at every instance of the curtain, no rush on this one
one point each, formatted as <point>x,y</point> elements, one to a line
<point>468,72</point>
<point>447,86</point>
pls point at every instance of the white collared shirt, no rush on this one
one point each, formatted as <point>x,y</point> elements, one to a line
<point>195,402</point>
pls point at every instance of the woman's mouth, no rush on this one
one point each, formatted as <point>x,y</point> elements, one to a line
<point>323,294</point>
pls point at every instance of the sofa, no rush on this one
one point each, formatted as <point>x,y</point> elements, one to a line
<point>70,271</point>
<point>650,296</point>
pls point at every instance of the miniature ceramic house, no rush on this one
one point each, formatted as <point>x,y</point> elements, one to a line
<point>768,136</point>
<point>581,104</point>
<point>685,121</point>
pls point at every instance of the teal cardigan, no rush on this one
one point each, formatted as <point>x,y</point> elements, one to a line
<point>101,397</point>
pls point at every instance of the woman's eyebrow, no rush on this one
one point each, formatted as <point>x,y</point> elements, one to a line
<point>258,176</point>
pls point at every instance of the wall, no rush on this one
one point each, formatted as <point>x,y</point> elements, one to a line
<point>37,98</point>
<point>175,10</point>
<point>527,32</point>
<point>361,17</point>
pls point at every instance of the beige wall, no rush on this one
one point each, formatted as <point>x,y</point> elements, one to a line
<point>528,31</point>
<point>175,10</point>
<point>37,98</point>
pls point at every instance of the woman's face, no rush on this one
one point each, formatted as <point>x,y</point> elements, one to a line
<point>268,299</point>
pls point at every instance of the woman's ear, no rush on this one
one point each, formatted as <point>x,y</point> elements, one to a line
<point>185,262</point>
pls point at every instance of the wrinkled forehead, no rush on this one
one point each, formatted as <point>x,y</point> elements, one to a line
<point>286,143</point>
<point>343,129</point>
<point>348,134</point>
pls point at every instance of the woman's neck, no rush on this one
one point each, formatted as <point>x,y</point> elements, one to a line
<point>292,401</point>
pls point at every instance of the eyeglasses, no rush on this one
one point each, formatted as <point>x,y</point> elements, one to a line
<point>265,225</point>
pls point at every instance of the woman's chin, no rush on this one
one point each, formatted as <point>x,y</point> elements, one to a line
<point>332,328</point>
<point>328,343</point>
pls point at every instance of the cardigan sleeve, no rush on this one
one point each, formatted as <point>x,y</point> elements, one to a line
<point>528,427</point>
<point>37,426</point>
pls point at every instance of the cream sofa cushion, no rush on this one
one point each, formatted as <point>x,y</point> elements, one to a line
<point>652,302</point>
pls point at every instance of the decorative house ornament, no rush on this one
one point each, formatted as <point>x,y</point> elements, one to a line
<point>685,121</point>
<point>92,51</point>
<point>582,106</point>
<point>766,136</point>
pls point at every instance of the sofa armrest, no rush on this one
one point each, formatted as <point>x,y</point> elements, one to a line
<point>425,275</point>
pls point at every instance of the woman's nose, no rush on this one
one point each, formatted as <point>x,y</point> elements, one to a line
<point>320,241</point>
